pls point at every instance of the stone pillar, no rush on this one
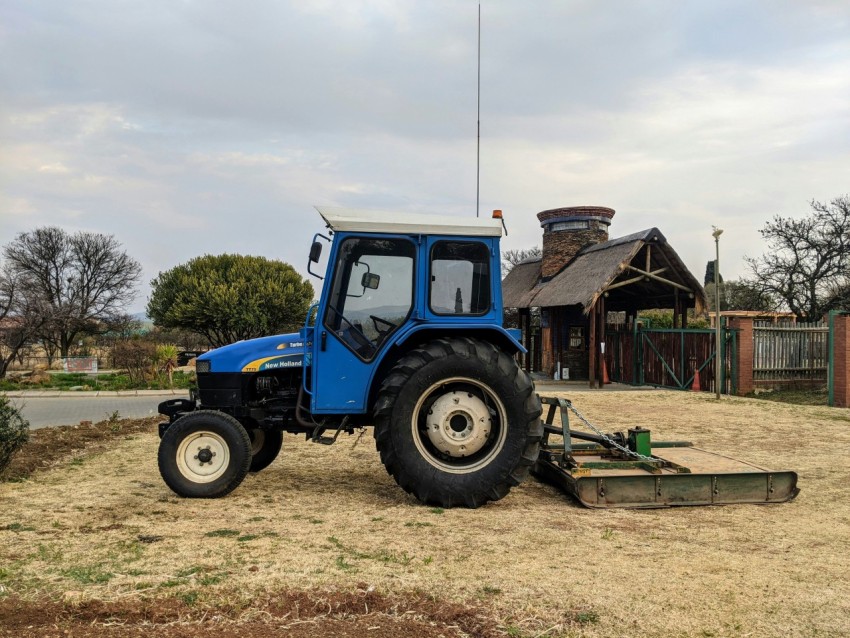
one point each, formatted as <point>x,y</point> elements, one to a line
<point>744,362</point>
<point>567,230</point>
<point>841,361</point>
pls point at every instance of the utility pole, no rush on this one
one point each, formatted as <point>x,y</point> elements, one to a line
<point>478,140</point>
<point>718,363</point>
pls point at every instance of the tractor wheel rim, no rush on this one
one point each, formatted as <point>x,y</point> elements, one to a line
<point>202,457</point>
<point>459,425</point>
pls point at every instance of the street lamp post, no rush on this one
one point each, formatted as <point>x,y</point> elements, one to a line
<point>716,234</point>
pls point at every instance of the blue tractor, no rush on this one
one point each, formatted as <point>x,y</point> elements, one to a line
<point>407,337</point>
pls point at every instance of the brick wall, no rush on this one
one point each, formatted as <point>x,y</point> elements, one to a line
<point>841,361</point>
<point>744,363</point>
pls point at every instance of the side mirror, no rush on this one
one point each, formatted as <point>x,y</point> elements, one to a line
<point>315,252</point>
<point>370,280</point>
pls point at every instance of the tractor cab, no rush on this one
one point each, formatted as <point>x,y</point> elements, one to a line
<point>392,283</point>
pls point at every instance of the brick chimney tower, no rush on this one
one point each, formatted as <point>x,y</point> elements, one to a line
<point>567,230</point>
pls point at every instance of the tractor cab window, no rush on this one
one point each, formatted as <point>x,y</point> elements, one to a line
<point>371,294</point>
<point>460,278</point>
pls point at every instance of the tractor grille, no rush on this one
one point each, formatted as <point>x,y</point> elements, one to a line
<point>202,367</point>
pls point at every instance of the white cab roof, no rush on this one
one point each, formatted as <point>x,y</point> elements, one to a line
<point>372,221</point>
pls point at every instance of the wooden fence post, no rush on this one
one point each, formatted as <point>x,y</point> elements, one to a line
<point>744,362</point>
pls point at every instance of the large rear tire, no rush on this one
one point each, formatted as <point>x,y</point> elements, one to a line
<point>265,446</point>
<point>204,454</point>
<point>457,423</point>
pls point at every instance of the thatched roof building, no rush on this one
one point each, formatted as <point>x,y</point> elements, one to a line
<point>582,275</point>
<point>602,267</point>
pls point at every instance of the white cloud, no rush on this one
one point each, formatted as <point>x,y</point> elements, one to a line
<point>186,128</point>
<point>56,167</point>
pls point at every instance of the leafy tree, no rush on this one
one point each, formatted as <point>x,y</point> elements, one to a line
<point>230,297</point>
<point>183,339</point>
<point>85,279</point>
<point>808,259</point>
<point>663,318</point>
<point>709,273</point>
<point>840,298</point>
<point>741,294</point>
<point>513,257</point>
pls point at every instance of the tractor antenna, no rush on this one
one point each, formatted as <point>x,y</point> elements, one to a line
<point>478,141</point>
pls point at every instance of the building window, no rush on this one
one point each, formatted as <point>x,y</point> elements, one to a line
<point>570,225</point>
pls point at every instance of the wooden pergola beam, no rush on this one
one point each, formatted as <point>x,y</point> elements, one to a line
<point>633,280</point>
<point>650,275</point>
<point>668,262</point>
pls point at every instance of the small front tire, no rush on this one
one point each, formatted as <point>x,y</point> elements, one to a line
<point>265,446</point>
<point>204,454</point>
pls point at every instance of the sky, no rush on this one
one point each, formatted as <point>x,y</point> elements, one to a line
<point>186,128</point>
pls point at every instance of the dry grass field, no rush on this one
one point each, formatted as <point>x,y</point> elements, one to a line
<point>100,533</point>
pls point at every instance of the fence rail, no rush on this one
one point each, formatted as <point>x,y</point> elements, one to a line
<point>790,356</point>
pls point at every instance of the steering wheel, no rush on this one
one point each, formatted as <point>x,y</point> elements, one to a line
<point>354,336</point>
<point>389,325</point>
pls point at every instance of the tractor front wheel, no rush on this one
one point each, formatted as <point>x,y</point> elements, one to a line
<point>204,454</point>
<point>265,446</point>
<point>457,423</point>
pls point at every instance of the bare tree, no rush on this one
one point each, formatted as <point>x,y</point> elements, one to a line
<point>22,316</point>
<point>514,257</point>
<point>808,259</point>
<point>85,279</point>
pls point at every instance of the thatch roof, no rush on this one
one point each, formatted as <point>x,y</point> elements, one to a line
<point>596,267</point>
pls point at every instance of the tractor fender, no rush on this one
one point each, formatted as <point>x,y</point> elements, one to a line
<point>505,340</point>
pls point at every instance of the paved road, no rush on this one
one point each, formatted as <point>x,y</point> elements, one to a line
<point>71,409</point>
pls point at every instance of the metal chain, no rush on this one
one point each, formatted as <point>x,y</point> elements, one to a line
<point>359,436</point>
<point>607,438</point>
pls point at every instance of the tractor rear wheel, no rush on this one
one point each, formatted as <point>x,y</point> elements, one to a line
<point>265,446</point>
<point>204,454</point>
<point>457,423</point>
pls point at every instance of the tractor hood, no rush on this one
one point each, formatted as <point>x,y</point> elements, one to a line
<point>256,355</point>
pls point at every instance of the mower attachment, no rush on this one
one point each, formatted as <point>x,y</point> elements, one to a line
<point>634,472</point>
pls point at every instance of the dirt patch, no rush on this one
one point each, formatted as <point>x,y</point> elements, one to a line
<point>312,613</point>
<point>49,447</point>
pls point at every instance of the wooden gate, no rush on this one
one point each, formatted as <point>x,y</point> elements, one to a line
<point>671,357</point>
<point>790,356</point>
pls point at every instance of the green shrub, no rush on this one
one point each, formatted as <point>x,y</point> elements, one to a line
<point>14,431</point>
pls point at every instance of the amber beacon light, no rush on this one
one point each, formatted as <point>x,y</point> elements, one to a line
<point>497,214</point>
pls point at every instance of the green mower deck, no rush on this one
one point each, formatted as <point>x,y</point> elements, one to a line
<point>633,472</point>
